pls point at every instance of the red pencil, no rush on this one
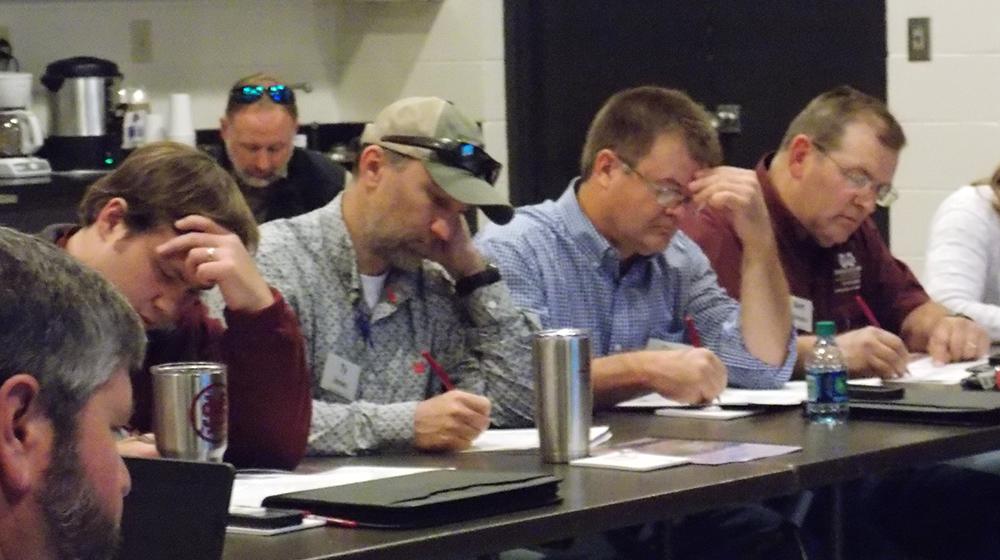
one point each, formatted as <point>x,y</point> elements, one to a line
<point>692,331</point>
<point>867,311</point>
<point>439,371</point>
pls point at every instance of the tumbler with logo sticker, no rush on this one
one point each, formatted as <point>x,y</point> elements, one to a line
<point>190,410</point>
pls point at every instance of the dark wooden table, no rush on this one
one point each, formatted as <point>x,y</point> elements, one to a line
<point>595,500</point>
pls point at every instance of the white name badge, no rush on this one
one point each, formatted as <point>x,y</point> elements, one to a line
<point>802,314</point>
<point>341,377</point>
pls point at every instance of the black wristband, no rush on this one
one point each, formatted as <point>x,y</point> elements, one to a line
<point>471,283</point>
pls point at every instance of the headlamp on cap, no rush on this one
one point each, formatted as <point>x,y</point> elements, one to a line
<point>455,153</point>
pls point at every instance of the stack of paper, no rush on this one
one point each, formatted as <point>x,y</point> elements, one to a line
<point>527,438</point>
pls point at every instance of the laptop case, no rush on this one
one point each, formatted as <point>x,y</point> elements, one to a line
<point>933,405</point>
<point>427,498</point>
<point>176,509</point>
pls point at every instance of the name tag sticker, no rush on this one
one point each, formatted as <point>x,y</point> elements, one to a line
<point>802,314</point>
<point>341,377</point>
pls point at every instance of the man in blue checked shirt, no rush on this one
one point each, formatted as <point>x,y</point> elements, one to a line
<point>607,256</point>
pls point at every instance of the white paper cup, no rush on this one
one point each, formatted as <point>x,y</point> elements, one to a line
<point>181,123</point>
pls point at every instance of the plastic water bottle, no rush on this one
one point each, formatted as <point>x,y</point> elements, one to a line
<point>826,378</point>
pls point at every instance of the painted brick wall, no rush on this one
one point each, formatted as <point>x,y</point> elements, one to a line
<point>949,108</point>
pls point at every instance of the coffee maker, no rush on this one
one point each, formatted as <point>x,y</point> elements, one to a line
<point>20,132</point>
<point>85,124</point>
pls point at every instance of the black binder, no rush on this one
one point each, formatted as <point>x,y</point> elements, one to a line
<point>934,405</point>
<point>425,499</point>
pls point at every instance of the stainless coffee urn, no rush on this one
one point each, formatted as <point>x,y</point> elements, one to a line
<point>85,119</point>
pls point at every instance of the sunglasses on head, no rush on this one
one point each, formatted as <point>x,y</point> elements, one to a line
<point>279,93</point>
<point>455,153</point>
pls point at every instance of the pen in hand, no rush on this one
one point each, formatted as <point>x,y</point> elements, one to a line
<point>439,371</point>
<point>695,338</point>
<point>872,319</point>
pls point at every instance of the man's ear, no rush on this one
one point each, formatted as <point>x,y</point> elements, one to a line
<point>25,436</point>
<point>224,128</point>
<point>371,164</point>
<point>798,151</point>
<point>111,216</point>
<point>605,162</point>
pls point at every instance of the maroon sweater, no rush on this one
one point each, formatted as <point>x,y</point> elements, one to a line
<point>270,400</point>
<point>830,277</point>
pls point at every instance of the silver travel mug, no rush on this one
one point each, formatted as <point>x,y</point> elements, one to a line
<point>190,410</point>
<point>564,401</point>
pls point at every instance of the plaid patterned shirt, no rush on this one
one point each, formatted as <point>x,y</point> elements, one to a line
<point>559,267</point>
<point>482,340</point>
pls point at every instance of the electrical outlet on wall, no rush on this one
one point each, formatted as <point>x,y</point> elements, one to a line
<point>141,40</point>
<point>919,38</point>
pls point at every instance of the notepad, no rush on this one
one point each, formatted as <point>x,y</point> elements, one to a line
<point>628,460</point>
<point>526,438</point>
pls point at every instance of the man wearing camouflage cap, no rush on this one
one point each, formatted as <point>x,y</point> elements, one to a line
<point>393,297</point>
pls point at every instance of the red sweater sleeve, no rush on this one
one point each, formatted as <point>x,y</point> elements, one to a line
<point>270,401</point>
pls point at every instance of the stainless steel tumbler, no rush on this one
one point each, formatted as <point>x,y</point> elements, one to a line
<point>190,410</point>
<point>564,400</point>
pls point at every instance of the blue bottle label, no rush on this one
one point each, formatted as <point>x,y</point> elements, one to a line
<point>827,387</point>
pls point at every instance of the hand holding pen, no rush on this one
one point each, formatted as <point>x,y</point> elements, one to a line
<point>449,421</point>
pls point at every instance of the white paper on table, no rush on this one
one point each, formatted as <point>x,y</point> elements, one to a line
<point>923,370</point>
<point>308,522</point>
<point>713,412</point>
<point>792,394</point>
<point>526,438</point>
<point>249,490</point>
<point>629,460</point>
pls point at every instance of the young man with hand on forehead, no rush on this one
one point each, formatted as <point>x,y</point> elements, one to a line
<point>394,298</point>
<point>165,225</point>
<point>278,179</point>
<point>68,342</point>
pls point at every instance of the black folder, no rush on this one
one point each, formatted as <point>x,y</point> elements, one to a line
<point>934,405</point>
<point>427,498</point>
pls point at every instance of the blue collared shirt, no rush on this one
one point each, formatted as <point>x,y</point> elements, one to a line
<point>560,268</point>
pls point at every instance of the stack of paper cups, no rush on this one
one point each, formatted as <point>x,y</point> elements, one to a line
<point>154,128</point>
<point>181,126</point>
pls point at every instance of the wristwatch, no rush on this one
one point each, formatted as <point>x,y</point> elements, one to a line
<point>471,283</point>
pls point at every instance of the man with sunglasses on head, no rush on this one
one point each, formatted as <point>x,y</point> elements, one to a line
<point>606,256</point>
<point>278,179</point>
<point>834,166</point>
<point>396,304</point>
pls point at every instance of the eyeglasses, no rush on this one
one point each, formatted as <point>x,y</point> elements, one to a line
<point>666,196</point>
<point>279,93</point>
<point>455,153</point>
<point>885,193</point>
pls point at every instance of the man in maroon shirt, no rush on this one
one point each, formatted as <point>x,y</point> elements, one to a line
<point>168,223</point>
<point>834,165</point>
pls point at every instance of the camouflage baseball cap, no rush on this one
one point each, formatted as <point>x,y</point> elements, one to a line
<point>449,145</point>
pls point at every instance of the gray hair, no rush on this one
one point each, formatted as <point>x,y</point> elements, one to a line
<point>63,324</point>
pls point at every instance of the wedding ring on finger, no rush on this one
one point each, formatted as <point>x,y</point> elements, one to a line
<point>211,253</point>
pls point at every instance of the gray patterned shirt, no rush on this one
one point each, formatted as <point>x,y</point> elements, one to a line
<point>482,340</point>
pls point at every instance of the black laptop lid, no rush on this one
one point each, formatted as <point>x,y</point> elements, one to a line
<point>176,509</point>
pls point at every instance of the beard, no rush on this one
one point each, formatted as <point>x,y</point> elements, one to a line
<point>78,527</point>
<point>252,181</point>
